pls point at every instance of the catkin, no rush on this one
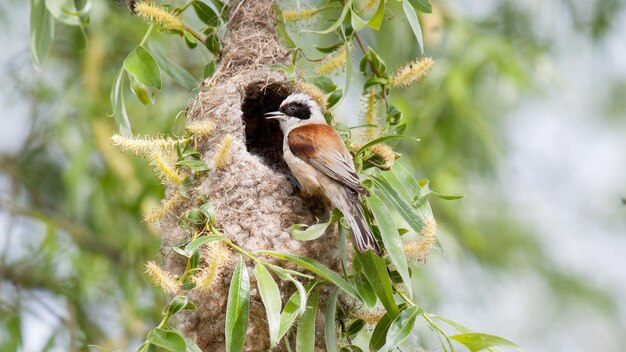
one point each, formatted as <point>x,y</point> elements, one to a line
<point>412,72</point>
<point>334,62</point>
<point>153,13</point>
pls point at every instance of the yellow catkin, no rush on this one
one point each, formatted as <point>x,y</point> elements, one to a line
<point>384,152</point>
<point>202,128</point>
<point>215,263</point>
<point>164,168</point>
<point>369,316</point>
<point>166,207</point>
<point>412,72</point>
<point>301,14</point>
<point>142,145</point>
<point>418,250</point>
<point>153,13</point>
<point>159,277</point>
<point>333,62</point>
<point>371,114</point>
<point>312,91</point>
<point>223,153</point>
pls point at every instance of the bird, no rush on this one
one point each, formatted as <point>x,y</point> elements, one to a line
<point>321,163</point>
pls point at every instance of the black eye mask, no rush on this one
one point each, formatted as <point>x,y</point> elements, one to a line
<point>297,110</point>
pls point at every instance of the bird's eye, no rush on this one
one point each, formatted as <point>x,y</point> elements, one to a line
<point>291,109</point>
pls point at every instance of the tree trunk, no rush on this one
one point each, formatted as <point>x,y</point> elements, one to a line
<point>253,200</point>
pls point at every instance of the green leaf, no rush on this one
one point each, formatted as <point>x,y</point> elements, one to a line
<point>355,327</point>
<point>305,337</point>
<point>375,269</point>
<point>316,268</point>
<point>209,69</point>
<point>357,22</point>
<point>199,241</point>
<point>423,6</point>
<point>170,340</point>
<point>329,49</point>
<point>141,91</point>
<point>209,213</point>
<point>118,106</point>
<point>368,296</point>
<point>379,336</point>
<point>391,239</point>
<point>310,233</point>
<point>41,31</point>
<point>64,11</point>
<point>194,165</point>
<point>270,295</point>
<point>377,19</point>
<point>141,64</point>
<point>401,327</point>
<point>206,14</point>
<point>415,221</point>
<point>314,231</point>
<point>237,308</point>
<point>451,322</point>
<point>330,325</point>
<point>475,341</point>
<point>325,84</point>
<point>179,74</point>
<point>409,12</point>
<point>384,139</point>
<point>178,304</point>
<point>346,7</point>
<point>289,314</point>
<point>190,40</point>
<point>334,98</point>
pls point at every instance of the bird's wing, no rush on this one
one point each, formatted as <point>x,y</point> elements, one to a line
<point>321,146</point>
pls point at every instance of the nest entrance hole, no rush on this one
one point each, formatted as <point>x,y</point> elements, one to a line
<point>264,137</point>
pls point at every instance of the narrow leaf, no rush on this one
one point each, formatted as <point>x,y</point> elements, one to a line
<point>379,336</point>
<point>415,221</point>
<point>377,19</point>
<point>141,91</point>
<point>311,233</point>
<point>270,295</point>
<point>316,268</point>
<point>289,314</point>
<point>401,327</point>
<point>365,289</point>
<point>305,337</point>
<point>237,308</point>
<point>391,239</point>
<point>118,106</point>
<point>336,24</point>
<point>179,74</point>
<point>424,6</point>
<point>41,31</point>
<point>411,16</point>
<point>475,341</point>
<point>330,325</point>
<point>199,241</point>
<point>375,270</point>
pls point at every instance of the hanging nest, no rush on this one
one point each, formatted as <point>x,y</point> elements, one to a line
<point>248,186</point>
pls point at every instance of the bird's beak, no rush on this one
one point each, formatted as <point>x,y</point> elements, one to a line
<point>275,115</point>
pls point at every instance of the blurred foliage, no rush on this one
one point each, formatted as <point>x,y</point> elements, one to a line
<point>73,250</point>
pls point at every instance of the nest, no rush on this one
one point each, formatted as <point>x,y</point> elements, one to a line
<point>253,199</point>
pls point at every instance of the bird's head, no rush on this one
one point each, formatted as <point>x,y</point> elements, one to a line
<point>296,110</point>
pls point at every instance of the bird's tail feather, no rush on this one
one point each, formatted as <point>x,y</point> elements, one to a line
<point>362,235</point>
